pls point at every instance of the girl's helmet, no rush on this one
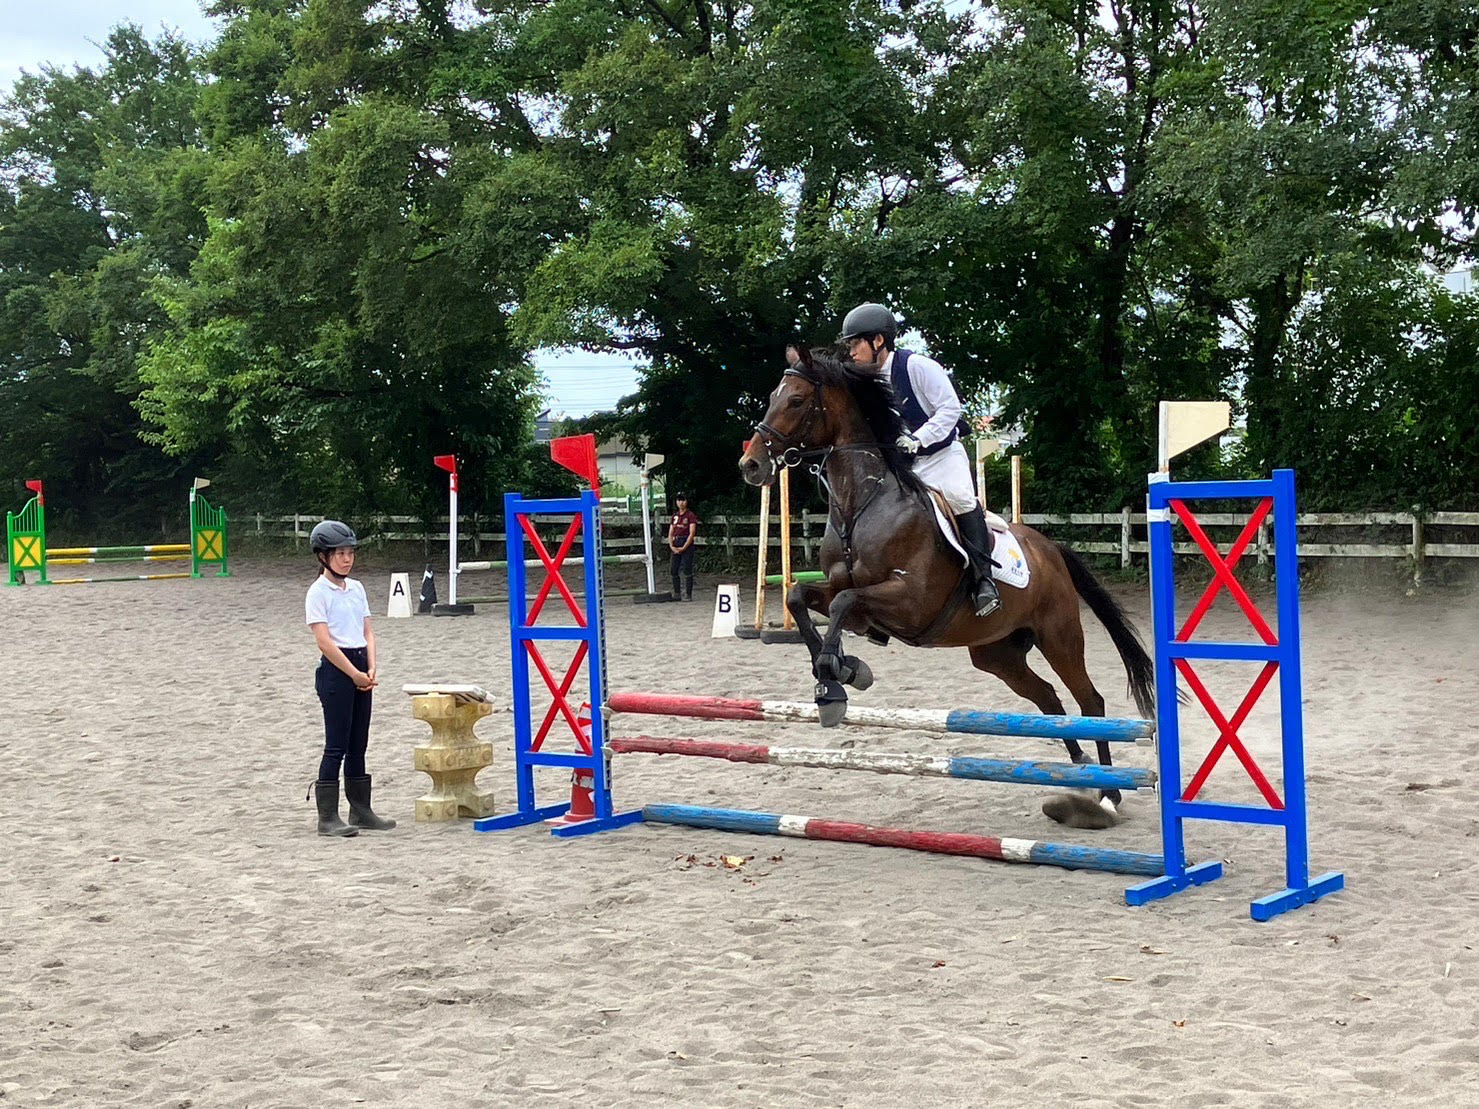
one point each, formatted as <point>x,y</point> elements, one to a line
<point>330,535</point>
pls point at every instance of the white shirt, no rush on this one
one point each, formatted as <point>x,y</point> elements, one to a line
<point>343,610</point>
<point>937,396</point>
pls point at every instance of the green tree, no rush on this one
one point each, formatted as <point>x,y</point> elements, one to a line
<point>347,315</point>
<point>101,172</point>
<point>712,153</point>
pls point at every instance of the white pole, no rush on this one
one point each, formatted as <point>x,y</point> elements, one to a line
<point>1016,488</point>
<point>452,537</point>
<point>647,527</point>
<point>985,448</point>
<point>1163,438</point>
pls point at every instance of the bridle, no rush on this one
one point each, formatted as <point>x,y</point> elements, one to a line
<point>793,451</point>
<point>793,447</point>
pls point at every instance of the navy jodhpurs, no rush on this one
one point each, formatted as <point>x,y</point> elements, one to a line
<point>346,717</point>
<point>683,564</point>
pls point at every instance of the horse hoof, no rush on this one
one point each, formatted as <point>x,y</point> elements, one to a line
<point>1077,810</point>
<point>858,674</point>
<point>831,704</point>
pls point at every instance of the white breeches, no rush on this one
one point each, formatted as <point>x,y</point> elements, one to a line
<point>949,471</point>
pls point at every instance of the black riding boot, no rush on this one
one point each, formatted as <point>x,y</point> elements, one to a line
<point>357,792</point>
<point>326,794</point>
<point>978,545</point>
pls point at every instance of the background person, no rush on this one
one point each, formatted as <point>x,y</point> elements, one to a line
<point>682,532</point>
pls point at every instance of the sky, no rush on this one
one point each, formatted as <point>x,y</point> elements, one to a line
<point>66,32</point>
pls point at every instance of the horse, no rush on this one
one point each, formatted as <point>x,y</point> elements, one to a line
<point>890,572</point>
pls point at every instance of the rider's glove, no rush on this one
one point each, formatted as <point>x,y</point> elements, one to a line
<point>908,443</point>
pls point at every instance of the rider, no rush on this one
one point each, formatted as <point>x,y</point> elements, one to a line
<point>931,409</point>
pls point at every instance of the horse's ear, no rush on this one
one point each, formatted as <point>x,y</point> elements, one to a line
<point>798,353</point>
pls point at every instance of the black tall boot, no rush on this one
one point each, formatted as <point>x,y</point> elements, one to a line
<point>978,546</point>
<point>357,791</point>
<point>326,794</point>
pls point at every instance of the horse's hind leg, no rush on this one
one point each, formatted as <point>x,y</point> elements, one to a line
<point>1007,660</point>
<point>1063,647</point>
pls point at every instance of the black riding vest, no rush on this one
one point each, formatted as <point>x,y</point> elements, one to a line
<point>913,412</point>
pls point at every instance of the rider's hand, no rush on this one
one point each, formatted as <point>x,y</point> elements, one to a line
<point>908,443</point>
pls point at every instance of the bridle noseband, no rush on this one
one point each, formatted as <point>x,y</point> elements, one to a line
<point>792,447</point>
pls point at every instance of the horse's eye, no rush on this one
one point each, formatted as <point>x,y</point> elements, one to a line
<point>794,402</point>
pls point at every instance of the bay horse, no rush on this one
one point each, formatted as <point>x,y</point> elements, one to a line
<point>890,572</point>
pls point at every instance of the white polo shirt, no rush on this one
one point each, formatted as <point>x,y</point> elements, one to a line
<point>343,610</point>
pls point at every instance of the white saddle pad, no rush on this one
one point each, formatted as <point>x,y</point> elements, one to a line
<point>1011,562</point>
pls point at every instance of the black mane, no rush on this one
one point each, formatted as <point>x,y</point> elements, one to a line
<point>873,394</point>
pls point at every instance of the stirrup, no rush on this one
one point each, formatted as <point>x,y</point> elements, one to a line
<point>987,605</point>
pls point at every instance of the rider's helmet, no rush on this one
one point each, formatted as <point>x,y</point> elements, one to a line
<point>869,319</point>
<point>330,535</point>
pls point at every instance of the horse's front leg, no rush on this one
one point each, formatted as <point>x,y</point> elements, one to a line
<point>832,668</point>
<point>802,601</point>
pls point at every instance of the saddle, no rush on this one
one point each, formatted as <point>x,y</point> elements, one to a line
<point>1012,572</point>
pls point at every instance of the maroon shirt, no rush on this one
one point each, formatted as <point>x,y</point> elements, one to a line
<point>681,526</point>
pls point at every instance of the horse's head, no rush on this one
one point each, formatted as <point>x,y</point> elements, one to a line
<point>796,421</point>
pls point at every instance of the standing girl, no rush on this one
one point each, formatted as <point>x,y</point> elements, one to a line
<point>682,531</point>
<point>339,616</point>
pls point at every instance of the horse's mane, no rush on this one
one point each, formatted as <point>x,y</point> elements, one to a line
<point>873,393</point>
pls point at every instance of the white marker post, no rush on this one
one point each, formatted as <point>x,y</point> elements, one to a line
<point>400,597</point>
<point>726,612</point>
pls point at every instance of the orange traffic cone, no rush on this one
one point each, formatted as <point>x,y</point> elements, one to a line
<point>582,782</point>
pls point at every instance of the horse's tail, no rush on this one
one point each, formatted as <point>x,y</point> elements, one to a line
<point>1122,633</point>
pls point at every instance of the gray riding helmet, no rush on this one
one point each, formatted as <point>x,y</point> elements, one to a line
<point>869,319</point>
<point>330,535</point>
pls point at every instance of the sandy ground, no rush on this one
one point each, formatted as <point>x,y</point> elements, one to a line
<point>173,933</point>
